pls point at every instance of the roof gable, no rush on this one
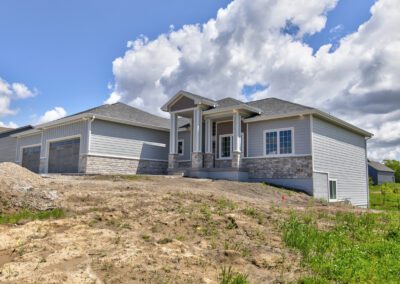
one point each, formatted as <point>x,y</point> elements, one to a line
<point>379,167</point>
<point>196,99</point>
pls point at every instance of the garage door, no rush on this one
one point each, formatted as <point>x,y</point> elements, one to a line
<point>64,156</point>
<point>31,158</point>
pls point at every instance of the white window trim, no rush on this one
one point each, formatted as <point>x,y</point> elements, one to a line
<point>231,145</point>
<point>329,189</point>
<point>183,147</point>
<point>278,142</point>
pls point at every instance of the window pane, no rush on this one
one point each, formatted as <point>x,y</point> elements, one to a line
<point>271,141</point>
<point>226,147</point>
<point>285,141</point>
<point>180,147</point>
<point>332,189</point>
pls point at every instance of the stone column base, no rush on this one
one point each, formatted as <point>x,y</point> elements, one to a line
<point>197,160</point>
<point>173,161</point>
<point>209,160</point>
<point>236,160</point>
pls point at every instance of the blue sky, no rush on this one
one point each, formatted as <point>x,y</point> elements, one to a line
<point>65,49</point>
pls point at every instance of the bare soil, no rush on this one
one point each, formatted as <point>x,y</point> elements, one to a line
<point>22,189</point>
<point>154,229</point>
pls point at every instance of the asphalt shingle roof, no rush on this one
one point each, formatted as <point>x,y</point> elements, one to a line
<point>274,106</point>
<point>379,167</point>
<point>126,112</point>
<point>227,102</point>
<point>269,106</point>
<point>15,131</point>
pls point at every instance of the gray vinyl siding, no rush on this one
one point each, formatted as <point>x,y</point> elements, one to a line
<point>32,140</point>
<point>118,140</point>
<point>8,149</point>
<point>342,155</point>
<point>320,185</point>
<point>384,177</point>
<point>302,140</point>
<point>186,137</point>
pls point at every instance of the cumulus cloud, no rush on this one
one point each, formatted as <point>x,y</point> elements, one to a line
<point>50,115</point>
<point>13,91</point>
<point>8,125</point>
<point>252,43</point>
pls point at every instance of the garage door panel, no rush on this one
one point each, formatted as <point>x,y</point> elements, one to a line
<point>64,156</point>
<point>31,158</point>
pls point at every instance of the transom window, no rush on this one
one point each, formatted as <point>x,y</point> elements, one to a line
<point>332,189</point>
<point>226,146</point>
<point>279,142</point>
<point>180,147</point>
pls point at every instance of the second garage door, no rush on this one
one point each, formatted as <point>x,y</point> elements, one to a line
<point>64,156</point>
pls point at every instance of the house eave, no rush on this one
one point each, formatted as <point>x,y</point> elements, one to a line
<point>317,113</point>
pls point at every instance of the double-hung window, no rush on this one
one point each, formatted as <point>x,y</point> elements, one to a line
<point>226,146</point>
<point>278,142</point>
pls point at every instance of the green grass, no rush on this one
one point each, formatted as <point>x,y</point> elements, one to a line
<point>27,215</point>
<point>347,248</point>
<point>228,276</point>
<point>385,197</point>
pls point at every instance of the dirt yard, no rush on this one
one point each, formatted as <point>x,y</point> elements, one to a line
<point>154,230</point>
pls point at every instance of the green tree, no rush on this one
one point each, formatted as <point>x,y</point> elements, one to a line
<point>394,165</point>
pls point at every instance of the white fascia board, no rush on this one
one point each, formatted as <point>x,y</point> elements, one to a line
<point>232,109</point>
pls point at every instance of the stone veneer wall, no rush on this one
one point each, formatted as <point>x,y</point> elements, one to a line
<point>279,168</point>
<point>185,164</point>
<point>223,163</point>
<point>108,165</point>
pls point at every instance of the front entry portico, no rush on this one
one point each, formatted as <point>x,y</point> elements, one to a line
<point>203,116</point>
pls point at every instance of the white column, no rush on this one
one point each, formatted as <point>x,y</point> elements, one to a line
<point>173,134</point>
<point>197,126</point>
<point>208,134</point>
<point>237,132</point>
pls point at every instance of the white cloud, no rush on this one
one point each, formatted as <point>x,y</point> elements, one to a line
<point>9,92</point>
<point>22,91</point>
<point>245,45</point>
<point>8,125</point>
<point>50,115</point>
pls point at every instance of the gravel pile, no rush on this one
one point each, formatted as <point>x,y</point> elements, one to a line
<point>21,188</point>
